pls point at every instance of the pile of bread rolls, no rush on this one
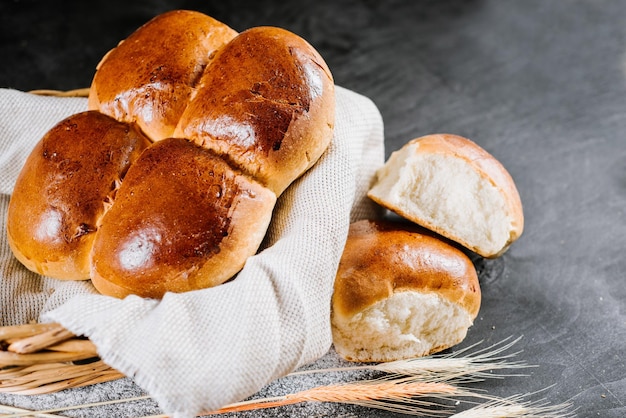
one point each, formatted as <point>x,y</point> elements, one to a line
<point>408,289</point>
<point>169,179</point>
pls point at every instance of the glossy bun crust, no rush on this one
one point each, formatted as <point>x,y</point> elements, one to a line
<point>150,77</point>
<point>401,292</point>
<point>264,74</point>
<point>211,127</point>
<point>197,234</point>
<point>66,185</point>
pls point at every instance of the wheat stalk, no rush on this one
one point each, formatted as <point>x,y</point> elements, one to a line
<point>416,386</point>
<point>44,412</point>
<point>10,411</point>
<point>516,407</point>
<point>396,397</point>
<point>402,395</point>
<point>459,366</point>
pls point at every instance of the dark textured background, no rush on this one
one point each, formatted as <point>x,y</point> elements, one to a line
<point>541,84</point>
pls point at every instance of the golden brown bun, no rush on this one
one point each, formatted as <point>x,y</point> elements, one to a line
<point>266,102</point>
<point>67,183</point>
<point>191,209</point>
<point>400,293</point>
<point>452,186</point>
<point>150,77</point>
<point>178,230</point>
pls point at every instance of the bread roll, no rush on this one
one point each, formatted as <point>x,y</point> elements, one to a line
<point>250,113</point>
<point>67,183</point>
<point>179,229</point>
<point>149,78</point>
<point>266,103</point>
<point>400,293</point>
<point>452,186</point>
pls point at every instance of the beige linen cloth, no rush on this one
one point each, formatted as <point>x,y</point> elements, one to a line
<point>200,350</point>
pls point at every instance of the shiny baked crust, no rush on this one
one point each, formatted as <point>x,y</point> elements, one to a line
<point>384,262</point>
<point>197,202</point>
<point>178,230</point>
<point>68,182</point>
<point>381,258</point>
<point>266,102</point>
<point>150,76</point>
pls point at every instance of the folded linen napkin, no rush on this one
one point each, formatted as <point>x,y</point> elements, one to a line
<point>200,350</point>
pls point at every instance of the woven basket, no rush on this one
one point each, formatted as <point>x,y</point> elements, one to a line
<point>46,358</point>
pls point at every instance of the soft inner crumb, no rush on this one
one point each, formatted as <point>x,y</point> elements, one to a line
<point>408,324</point>
<point>445,191</point>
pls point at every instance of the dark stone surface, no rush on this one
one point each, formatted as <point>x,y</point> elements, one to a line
<point>541,84</point>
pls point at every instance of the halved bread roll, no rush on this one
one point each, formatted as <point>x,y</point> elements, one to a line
<point>400,293</point>
<point>452,186</point>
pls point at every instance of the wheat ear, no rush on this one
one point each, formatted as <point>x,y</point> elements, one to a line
<point>401,394</point>
<point>517,407</point>
<point>459,366</point>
